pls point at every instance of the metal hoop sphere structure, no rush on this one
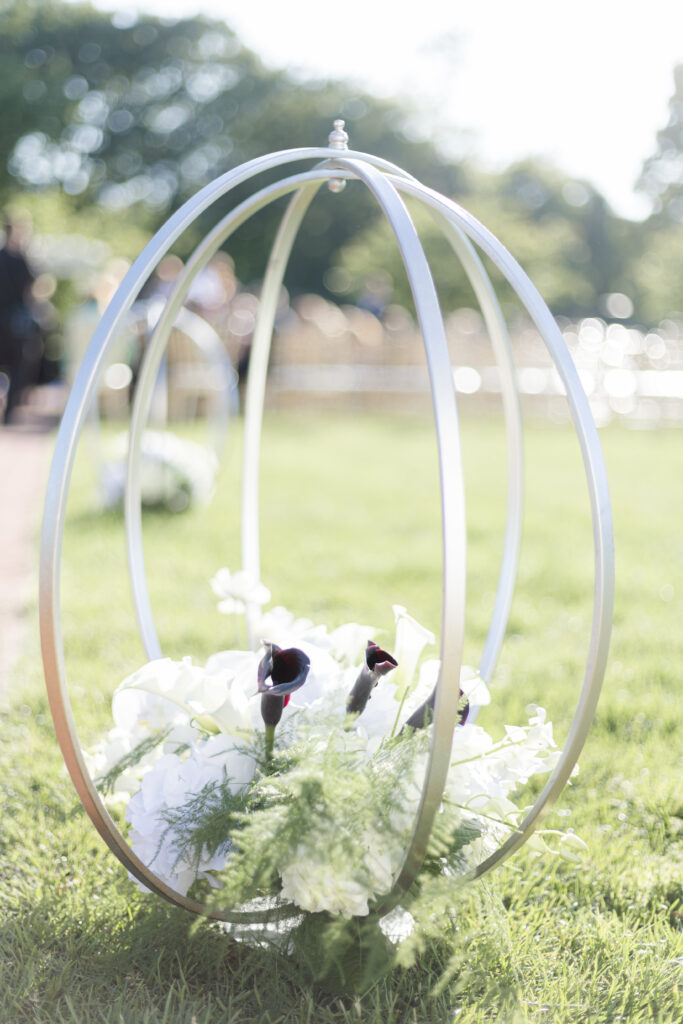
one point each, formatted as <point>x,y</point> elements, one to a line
<point>388,184</point>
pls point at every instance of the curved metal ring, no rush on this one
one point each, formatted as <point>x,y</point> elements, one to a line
<point>154,354</point>
<point>145,387</point>
<point>70,429</point>
<point>447,433</point>
<point>55,507</point>
<point>495,323</point>
<point>596,478</point>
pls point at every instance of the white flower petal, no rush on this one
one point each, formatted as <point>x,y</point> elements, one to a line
<point>411,638</point>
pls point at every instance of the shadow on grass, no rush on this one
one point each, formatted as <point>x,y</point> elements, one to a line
<point>95,517</point>
<point>157,963</point>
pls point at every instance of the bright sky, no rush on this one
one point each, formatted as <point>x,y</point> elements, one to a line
<point>585,83</point>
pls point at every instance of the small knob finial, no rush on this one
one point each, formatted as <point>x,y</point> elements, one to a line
<point>338,138</point>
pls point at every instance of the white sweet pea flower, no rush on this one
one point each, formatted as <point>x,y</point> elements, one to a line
<point>537,844</point>
<point>411,639</point>
<point>540,731</point>
<point>572,848</point>
<point>531,749</point>
<point>238,589</point>
<point>497,807</point>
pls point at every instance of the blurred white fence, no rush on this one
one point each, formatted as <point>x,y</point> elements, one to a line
<point>342,355</point>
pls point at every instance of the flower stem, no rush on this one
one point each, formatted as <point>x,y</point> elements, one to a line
<point>501,745</point>
<point>270,740</point>
<point>482,814</point>
<point>398,713</point>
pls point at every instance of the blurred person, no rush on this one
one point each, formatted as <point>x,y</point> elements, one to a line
<point>45,314</point>
<point>146,312</point>
<point>213,289</point>
<point>376,293</point>
<point>240,326</point>
<point>21,343</point>
<point>83,319</point>
<point>217,295</point>
<point>158,288</point>
<point>150,305</point>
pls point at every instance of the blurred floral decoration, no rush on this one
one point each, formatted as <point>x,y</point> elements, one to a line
<point>175,472</point>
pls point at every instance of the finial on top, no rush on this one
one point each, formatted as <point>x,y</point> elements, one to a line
<point>338,138</point>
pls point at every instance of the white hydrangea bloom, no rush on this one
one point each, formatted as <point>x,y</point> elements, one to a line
<point>170,784</point>
<point>120,743</point>
<point>310,884</point>
<point>397,925</point>
<point>382,860</point>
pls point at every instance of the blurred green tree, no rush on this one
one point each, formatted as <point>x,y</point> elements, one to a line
<point>561,231</point>
<point>662,174</point>
<point>657,264</point>
<point>657,272</point>
<point>138,116</point>
<point>128,118</point>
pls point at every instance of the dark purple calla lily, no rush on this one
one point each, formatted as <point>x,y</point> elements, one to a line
<point>425,713</point>
<point>377,663</point>
<point>287,670</point>
<point>279,674</point>
<point>265,667</point>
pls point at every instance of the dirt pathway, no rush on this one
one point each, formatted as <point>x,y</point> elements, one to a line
<point>25,450</point>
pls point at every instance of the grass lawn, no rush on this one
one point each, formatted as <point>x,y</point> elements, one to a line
<point>350,525</point>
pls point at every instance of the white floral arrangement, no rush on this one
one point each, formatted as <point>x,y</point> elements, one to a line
<point>175,472</point>
<point>293,773</point>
